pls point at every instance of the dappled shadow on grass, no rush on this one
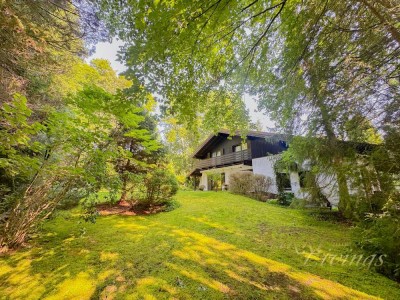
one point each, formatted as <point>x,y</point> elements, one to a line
<point>241,270</point>
<point>145,258</point>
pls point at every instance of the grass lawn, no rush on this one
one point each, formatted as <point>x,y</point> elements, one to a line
<point>214,246</point>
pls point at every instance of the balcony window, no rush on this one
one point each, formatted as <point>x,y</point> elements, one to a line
<point>216,153</point>
<point>239,148</point>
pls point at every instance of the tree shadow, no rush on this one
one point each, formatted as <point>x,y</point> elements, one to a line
<point>148,259</point>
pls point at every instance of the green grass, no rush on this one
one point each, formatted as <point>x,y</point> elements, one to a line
<point>214,246</point>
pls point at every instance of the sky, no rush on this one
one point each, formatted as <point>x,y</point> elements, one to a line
<point>109,51</point>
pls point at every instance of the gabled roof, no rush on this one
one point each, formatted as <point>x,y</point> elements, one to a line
<point>214,139</point>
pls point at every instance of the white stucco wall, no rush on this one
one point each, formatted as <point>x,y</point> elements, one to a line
<point>295,184</point>
<point>265,166</point>
<point>329,188</point>
<point>328,184</point>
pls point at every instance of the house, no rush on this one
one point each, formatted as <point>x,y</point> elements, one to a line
<point>225,154</point>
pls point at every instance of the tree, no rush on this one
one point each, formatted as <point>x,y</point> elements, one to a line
<point>312,65</point>
<point>69,153</point>
<point>139,148</point>
<point>38,37</point>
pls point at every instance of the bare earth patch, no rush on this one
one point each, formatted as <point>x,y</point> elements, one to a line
<point>127,209</point>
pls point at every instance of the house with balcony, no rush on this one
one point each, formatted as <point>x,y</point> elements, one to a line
<point>258,152</point>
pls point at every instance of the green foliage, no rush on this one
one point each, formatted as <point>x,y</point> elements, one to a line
<point>78,148</point>
<point>39,39</point>
<point>171,205</point>
<point>285,199</point>
<point>298,203</point>
<point>80,74</point>
<point>216,181</point>
<point>380,235</point>
<point>181,142</point>
<point>18,152</point>
<point>157,188</point>
<point>89,209</point>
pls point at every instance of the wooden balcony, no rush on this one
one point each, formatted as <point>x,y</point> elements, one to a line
<point>224,160</point>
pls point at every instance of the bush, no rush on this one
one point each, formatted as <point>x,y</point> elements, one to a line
<point>253,185</point>
<point>241,183</point>
<point>158,188</point>
<point>171,205</point>
<point>72,198</point>
<point>261,185</point>
<point>380,235</point>
<point>285,199</point>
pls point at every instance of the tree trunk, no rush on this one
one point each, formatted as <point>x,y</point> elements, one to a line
<point>124,193</point>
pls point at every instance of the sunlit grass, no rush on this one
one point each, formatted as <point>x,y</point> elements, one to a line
<point>214,246</point>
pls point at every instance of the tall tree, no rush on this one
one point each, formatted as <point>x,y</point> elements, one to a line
<point>313,65</point>
<point>38,37</point>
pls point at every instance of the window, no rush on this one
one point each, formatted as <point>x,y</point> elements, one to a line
<point>214,154</point>
<point>241,147</point>
<point>237,148</point>
<point>283,181</point>
<point>218,153</point>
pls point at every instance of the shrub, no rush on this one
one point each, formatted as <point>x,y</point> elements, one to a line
<point>380,235</point>
<point>253,185</point>
<point>171,205</point>
<point>158,188</point>
<point>72,198</point>
<point>285,199</point>
<point>261,185</point>
<point>241,182</point>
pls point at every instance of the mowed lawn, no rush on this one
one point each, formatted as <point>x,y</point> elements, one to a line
<point>214,246</point>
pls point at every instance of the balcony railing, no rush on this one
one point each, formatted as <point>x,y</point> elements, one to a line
<point>227,159</point>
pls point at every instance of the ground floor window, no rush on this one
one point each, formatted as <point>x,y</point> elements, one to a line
<point>283,181</point>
